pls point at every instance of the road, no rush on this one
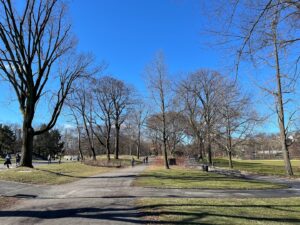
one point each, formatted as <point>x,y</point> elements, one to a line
<point>104,199</point>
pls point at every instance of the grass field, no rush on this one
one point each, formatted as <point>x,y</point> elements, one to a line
<point>275,211</point>
<point>51,174</point>
<point>179,177</point>
<point>263,167</point>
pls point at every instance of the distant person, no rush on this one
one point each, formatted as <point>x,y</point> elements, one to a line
<point>49,159</point>
<point>132,162</point>
<point>7,160</point>
<point>18,159</point>
<point>146,159</point>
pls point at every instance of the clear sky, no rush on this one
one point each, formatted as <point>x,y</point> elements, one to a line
<point>127,33</point>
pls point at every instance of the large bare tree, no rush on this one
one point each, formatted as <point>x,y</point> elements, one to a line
<point>104,111</point>
<point>191,109</point>
<point>160,87</point>
<point>82,107</point>
<point>237,119</point>
<point>36,46</point>
<point>266,33</point>
<point>208,88</point>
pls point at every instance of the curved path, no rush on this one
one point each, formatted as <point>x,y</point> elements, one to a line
<point>105,199</point>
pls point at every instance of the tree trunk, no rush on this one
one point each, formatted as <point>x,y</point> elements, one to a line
<point>230,159</point>
<point>27,144</point>
<point>138,143</point>
<point>201,147</point>
<point>130,147</point>
<point>108,148</point>
<point>165,143</point>
<point>117,142</point>
<point>79,146</point>
<point>209,150</point>
<point>285,151</point>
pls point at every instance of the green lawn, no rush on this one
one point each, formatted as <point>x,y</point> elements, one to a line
<point>275,211</point>
<point>51,174</point>
<point>263,167</point>
<point>179,177</point>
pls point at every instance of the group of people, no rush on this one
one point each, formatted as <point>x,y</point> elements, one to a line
<point>7,161</point>
<point>145,160</point>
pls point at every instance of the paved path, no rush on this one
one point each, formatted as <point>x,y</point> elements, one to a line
<point>104,199</point>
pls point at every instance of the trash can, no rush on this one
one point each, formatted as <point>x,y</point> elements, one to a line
<point>172,161</point>
<point>205,167</point>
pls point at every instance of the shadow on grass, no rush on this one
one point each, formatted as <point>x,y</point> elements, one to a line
<point>82,177</point>
<point>148,214</point>
<point>198,178</point>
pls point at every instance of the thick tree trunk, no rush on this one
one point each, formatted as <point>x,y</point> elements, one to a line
<point>209,151</point>
<point>94,153</point>
<point>27,144</point>
<point>165,155</point>
<point>201,148</point>
<point>117,142</point>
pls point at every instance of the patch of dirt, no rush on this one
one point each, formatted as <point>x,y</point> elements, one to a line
<point>6,202</point>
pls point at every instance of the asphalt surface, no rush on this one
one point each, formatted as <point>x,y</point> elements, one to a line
<point>104,199</point>
<point>107,199</point>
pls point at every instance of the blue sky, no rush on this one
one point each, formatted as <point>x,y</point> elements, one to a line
<point>127,34</point>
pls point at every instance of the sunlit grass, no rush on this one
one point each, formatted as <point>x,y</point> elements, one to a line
<point>51,174</point>
<point>275,211</point>
<point>179,177</point>
<point>263,167</point>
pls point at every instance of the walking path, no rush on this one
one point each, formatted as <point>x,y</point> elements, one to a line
<point>104,199</point>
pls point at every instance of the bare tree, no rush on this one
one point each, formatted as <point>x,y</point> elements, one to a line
<point>78,128</point>
<point>104,111</point>
<point>159,85</point>
<point>207,86</point>
<point>176,130</point>
<point>191,109</point>
<point>114,98</point>
<point>267,33</point>
<point>81,103</point>
<point>36,46</point>
<point>139,116</point>
<point>237,119</point>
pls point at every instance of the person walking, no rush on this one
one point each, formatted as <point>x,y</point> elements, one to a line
<point>132,162</point>
<point>18,159</point>
<point>49,158</point>
<point>7,160</point>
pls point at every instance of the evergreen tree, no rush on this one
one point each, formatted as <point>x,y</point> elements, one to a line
<point>7,139</point>
<point>48,143</point>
